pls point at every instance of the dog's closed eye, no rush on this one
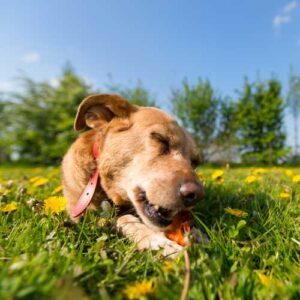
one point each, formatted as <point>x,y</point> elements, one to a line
<point>164,142</point>
<point>195,161</point>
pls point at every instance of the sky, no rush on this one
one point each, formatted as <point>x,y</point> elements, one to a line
<point>158,42</point>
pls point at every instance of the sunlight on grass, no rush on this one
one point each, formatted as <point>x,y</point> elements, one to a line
<point>251,216</point>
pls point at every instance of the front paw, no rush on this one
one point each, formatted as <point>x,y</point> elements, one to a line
<point>157,241</point>
<point>146,238</point>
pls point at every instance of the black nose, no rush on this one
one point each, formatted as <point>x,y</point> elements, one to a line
<point>190,192</point>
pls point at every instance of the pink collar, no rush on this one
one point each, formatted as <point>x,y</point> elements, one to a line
<point>89,191</point>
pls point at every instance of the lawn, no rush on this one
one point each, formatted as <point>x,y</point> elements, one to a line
<point>251,216</point>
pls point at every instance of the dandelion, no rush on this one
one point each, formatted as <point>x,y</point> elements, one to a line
<point>251,179</point>
<point>58,189</point>
<point>139,289</point>
<point>218,176</point>
<point>200,175</point>
<point>9,207</point>
<point>41,181</point>
<point>284,195</point>
<point>289,173</point>
<point>101,222</point>
<point>296,178</point>
<point>168,266</point>
<point>54,205</point>
<point>236,212</point>
<point>4,192</point>
<point>268,280</point>
<point>259,171</point>
<point>264,279</point>
<point>33,179</point>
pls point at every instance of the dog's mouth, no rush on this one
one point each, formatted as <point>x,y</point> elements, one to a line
<point>159,216</point>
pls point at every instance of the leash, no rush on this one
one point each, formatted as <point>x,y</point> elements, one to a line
<point>89,191</point>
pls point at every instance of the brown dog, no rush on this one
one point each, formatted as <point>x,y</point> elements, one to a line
<point>146,160</point>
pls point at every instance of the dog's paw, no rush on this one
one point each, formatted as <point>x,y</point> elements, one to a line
<point>157,241</point>
<point>145,237</point>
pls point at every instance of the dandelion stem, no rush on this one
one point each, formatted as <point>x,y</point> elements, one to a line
<point>187,276</point>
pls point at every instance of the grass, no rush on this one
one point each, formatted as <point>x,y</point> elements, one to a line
<point>253,253</point>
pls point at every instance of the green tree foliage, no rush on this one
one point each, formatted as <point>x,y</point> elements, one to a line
<point>137,94</point>
<point>226,139</point>
<point>293,101</point>
<point>197,108</point>
<point>43,117</point>
<point>6,127</point>
<point>37,123</point>
<point>260,117</point>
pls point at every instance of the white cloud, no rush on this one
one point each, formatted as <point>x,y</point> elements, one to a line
<point>279,20</point>
<point>54,82</point>
<point>5,86</point>
<point>290,7</point>
<point>285,15</point>
<point>31,57</point>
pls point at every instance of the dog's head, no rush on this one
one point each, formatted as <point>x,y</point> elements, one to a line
<point>146,158</point>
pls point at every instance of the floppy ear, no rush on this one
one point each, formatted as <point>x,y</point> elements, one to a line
<point>96,110</point>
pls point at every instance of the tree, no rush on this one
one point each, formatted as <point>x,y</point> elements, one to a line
<point>196,106</point>
<point>44,116</point>
<point>137,95</point>
<point>260,116</point>
<point>226,139</point>
<point>6,127</point>
<point>293,102</point>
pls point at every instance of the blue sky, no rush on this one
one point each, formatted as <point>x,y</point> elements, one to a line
<point>159,42</point>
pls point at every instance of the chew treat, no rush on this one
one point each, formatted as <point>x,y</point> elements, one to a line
<point>180,228</point>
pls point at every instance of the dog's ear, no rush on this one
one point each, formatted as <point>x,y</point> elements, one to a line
<point>96,110</point>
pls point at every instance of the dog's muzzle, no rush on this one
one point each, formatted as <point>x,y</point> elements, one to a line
<point>159,216</point>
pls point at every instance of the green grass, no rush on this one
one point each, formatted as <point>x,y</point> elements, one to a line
<point>253,257</point>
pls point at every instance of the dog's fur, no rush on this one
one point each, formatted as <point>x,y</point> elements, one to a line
<point>144,154</point>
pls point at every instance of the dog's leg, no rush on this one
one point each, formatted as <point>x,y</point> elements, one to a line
<point>145,237</point>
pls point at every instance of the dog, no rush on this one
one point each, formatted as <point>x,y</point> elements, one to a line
<point>144,159</point>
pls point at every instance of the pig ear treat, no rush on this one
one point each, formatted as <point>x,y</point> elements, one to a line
<point>183,233</point>
<point>180,228</point>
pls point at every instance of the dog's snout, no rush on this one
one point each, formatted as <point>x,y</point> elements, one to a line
<point>190,192</point>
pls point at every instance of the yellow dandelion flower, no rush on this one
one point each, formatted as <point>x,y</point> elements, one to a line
<point>54,205</point>
<point>168,266</point>
<point>264,279</point>
<point>139,289</point>
<point>296,178</point>
<point>58,189</point>
<point>289,173</point>
<point>101,222</point>
<point>12,206</point>
<point>4,192</point>
<point>284,195</point>
<point>217,175</point>
<point>251,179</point>
<point>236,212</point>
<point>200,175</point>
<point>259,171</point>
<point>227,166</point>
<point>40,181</point>
<point>33,179</point>
<point>269,280</point>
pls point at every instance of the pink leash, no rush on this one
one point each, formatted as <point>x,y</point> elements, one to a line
<point>89,191</point>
